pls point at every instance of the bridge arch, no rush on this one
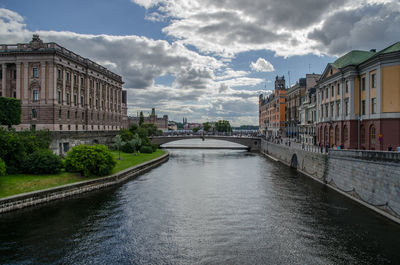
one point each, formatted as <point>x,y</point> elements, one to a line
<point>252,143</point>
<point>294,162</point>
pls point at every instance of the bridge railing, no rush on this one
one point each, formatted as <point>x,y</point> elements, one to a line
<point>304,147</point>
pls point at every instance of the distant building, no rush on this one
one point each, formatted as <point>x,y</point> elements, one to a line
<point>293,102</point>
<point>60,90</point>
<point>272,110</point>
<point>161,123</point>
<point>172,126</point>
<point>358,100</point>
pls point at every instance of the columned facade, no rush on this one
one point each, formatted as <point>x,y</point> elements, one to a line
<point>60,90</point>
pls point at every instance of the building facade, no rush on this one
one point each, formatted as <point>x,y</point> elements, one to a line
<point>294,96</point>
<point>272,110</point>
<point>161,123</point>
<point>60,90</point>
<point>358,100</point>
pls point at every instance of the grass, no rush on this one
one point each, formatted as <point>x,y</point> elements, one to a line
<point>21,183</point>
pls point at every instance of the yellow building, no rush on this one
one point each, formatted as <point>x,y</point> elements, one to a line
<point>358,100</point>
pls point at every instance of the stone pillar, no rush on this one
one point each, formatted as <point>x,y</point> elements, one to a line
<point>64,84</point>
<point>18,79</point>
<point>378,91</point>
<point>55,76</point>
<point>42,82</point>
<point>26,79</point>
<point>367,96</point>
<point>79,91</point>
<point>3,80</point>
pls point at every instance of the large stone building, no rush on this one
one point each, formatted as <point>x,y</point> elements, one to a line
<point>358,100</point>
<point>60,90</point>
<point>293,102</point>
<point>161,123</point>
<point>271,120</point>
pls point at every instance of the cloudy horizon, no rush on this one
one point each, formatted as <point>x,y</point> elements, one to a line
<point>205,60</point>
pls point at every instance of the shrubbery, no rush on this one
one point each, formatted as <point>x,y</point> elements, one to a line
<point>15,147</point>
<point>3,168</point>
<point>147,149</point>
<point>94,160</point>
<point>42,161</point>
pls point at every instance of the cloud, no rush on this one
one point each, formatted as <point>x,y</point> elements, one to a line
<point>262,65</point>
<point>288,28</point>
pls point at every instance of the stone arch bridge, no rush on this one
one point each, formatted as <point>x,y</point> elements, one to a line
<point>252,143</point>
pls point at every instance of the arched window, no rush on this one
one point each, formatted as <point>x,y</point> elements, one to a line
<point>331,136</point>
<point>362,134</point>
<point>372,133</point>
<point>345,134</point>
<point>337,135</point>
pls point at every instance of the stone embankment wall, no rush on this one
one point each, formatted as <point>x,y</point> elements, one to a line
<point>62,142</point>
<point>38,197</point>
<point>368,177</point>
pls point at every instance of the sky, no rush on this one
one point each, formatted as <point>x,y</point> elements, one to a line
<point>205,60</point>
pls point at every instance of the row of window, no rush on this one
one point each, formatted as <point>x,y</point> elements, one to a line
<point>111,118</point>
<point>329,135</point>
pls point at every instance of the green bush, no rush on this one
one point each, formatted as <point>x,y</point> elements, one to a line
<point>42,161</point>
<point>154,147</point>
<point>12,151</point>
<point>95,160</point>
<point>128,147</point>
<point>3,168</point>
<point>126,135</point>
<point>10,111</point>
<point>147,149</point>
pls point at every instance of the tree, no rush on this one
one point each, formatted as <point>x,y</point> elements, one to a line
<point>223,126</point>
<point>126,135</point>
<point>118,144</point>
<point>141,119</point>
<point>196,129</point>
<point>206,126</point>
<point>10,111</point>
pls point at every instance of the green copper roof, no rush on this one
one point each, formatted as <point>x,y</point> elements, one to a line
<point>352,58</point>
<point>392,48</point>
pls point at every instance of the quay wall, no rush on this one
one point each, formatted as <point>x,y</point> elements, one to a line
<point>20,201</point>
<point>371,178</point>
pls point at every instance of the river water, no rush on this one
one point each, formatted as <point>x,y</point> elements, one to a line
<point>203,207</point>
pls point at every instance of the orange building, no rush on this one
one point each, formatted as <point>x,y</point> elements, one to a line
<point>272,110</point>
<point>358,100</point>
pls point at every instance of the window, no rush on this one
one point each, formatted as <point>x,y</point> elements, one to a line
<point>76,127</point>
<point>338,89</point>
<point>60,127</point>
<point>81,81</point>
<point>69,127</point>
<point>332,91</point>
<point>327,93</point>
<point>373,80</point>
<point>67,76</point>
<point>68,114</point>
<point>35,72</point>
<point>363,107</point>
<point>347,86</point>
<point>322,112</point>
<point>346,107</point>
<point>75,80</point>
<point>345,134</point>
<point>59,113</point>
<point>83,115</point>
<point>35,95</point>
<point>1,74</point>
<point>372,134</point>
<point>33,127</point>
<point>82,100</point>
<point>337,108</point>
<point>326,110</point>
<point>68,101</point>
<point>75,99</point>
<point>363,83</point>
<point>76,115</point>
<point>15,74</point>
<point>90,102</point>
<point>373,105</point>
<point>59,74</point>
<point>332,113</point>
<point>322,95</point>
<point>362,134</point>
<point>59,97</point>
<point>91,116</point>
<point>34,113</point>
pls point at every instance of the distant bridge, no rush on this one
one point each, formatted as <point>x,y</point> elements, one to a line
<point>250,143</point>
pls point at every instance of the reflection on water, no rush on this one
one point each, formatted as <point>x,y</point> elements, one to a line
<point>201,143</point>
<point>203,207</point>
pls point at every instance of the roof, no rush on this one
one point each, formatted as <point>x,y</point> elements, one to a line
<point>352,58</point>
<point>392,48</point>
